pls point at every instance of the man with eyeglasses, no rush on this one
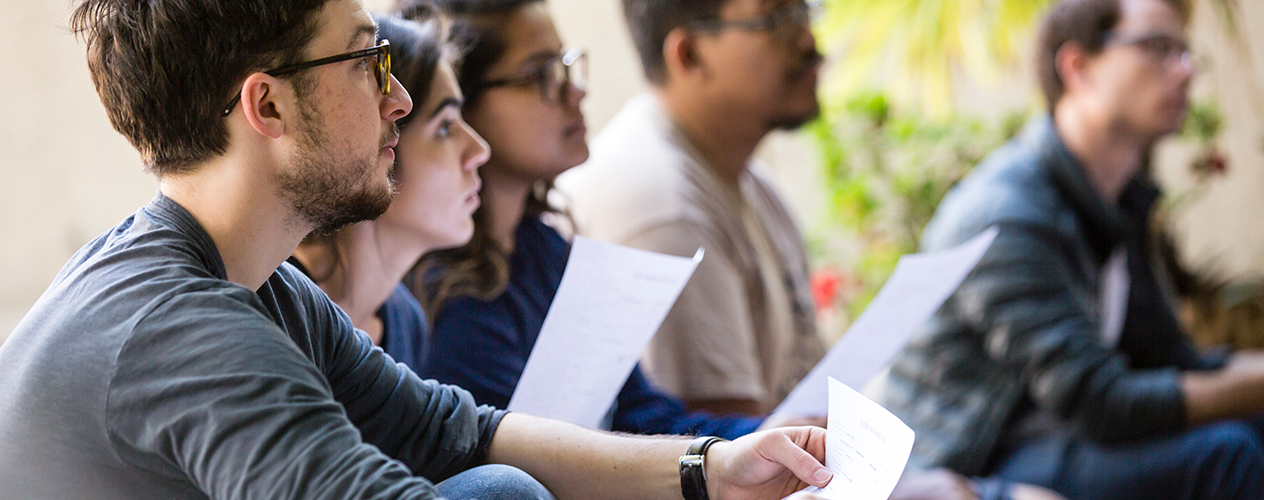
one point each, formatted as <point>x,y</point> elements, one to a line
<point>673,171</point>
<point>176,356</point>
<point>1059,361</point>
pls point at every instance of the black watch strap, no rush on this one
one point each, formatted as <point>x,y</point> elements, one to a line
<point>693,479</point>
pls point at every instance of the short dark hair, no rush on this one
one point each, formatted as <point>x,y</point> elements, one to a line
<point>164,69</point>
<point>1085,23</point>
<point>477,27</point>
<point>651,20</point>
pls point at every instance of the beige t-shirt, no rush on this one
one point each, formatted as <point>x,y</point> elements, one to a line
<point>744,326</point>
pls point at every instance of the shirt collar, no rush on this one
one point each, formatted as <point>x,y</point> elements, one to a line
<point>167,212</point>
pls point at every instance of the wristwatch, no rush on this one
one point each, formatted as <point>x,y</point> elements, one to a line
<point>693,477</point>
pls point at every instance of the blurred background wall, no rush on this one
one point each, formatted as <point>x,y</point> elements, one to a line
<point>66,176</point>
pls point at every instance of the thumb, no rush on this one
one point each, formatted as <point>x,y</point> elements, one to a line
<point>802,464</point>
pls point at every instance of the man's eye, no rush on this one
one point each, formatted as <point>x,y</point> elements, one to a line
<point>445,129</point>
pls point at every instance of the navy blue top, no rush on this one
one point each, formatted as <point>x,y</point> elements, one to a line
<point>404,329</point>
<point>483,346</point>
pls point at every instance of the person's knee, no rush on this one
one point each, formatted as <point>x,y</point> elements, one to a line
<point>1231,461</point>
<point>1233,441</point>
<point>494,482</point>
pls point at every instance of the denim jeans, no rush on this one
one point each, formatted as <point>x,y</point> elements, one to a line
<point>493,482</point>
<point>1224,460</point>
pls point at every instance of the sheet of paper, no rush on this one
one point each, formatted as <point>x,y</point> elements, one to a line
<point>918,286</point>
<point>609,304</point>
<point>866,446</point>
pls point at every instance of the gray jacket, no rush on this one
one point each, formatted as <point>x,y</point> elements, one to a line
<point>1018,343</point>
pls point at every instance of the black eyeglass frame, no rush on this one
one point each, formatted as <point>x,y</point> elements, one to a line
<point>792,13</point>
<point>539,76</point>
<point>382,71</point>
<point>1182,52</point>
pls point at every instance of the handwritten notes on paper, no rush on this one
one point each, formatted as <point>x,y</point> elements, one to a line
<point>608,306</point>
<point>916,289</point>
<point>866,447</point>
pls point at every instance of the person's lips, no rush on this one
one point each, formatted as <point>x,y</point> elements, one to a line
<point>472,197</point>
<point>388,147</point>
<point>576,127</point>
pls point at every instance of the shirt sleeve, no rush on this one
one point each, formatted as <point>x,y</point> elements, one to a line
<point>705,348</point>
<point>210,389</point>
<point>643,409</point>
<point>1025,300</point>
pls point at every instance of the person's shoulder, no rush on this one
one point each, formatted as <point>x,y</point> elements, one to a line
<point>1010,187</point>
<point>632,159</point>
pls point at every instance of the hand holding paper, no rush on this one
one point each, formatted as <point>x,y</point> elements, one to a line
<point>866,447</point>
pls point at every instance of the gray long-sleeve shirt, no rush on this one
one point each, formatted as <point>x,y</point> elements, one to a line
<point>143,373</point>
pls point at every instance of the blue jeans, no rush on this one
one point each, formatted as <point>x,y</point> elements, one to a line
<point>1224,460</point>
<point>493,482</point>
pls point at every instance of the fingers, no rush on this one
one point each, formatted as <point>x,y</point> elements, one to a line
<point>779,447</point>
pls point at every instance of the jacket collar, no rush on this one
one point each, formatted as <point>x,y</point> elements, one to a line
<point>1106,224</point>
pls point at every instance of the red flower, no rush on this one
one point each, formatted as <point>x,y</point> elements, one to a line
<point>825,284</point>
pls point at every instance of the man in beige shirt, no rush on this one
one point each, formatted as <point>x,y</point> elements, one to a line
<point>673,171</point>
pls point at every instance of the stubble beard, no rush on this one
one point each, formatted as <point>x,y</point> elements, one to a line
<point>330,188</point>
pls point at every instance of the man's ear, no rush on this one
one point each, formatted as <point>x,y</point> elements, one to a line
<point>1071,63</point>
<point>680,53</point>
<point>264,106</point>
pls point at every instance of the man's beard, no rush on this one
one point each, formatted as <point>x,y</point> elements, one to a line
<point>793,121</point>
<point>329,188</point>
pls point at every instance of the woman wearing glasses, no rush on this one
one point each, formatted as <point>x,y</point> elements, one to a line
<point>488,298</point>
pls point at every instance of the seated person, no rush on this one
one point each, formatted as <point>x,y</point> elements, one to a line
<point>178,356</point>
<point>1032,370</point>
<point>673,171</point>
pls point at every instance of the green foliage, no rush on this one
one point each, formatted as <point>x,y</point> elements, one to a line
<point>884,173</point>
<point>1203,122</point>
<point>915,48</point>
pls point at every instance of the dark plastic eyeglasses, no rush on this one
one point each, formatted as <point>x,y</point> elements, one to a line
<point>553,78</point>
<point>381,70</point>
<point>784,20</point>
<point>1159,47</point>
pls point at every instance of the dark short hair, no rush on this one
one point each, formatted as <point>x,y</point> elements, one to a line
<point>1085,23</point>
<point>164,69</point>
<point>417,48</point>
<point>651,20</point>
<point>477,27</point>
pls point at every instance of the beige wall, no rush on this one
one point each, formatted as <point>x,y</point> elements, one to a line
<point>67,176</point>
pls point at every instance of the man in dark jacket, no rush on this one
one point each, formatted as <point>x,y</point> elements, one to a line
<point>1059,361</point>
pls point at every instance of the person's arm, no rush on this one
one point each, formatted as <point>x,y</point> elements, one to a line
<point>577,463</point>
<point>210,390</point>
<point>1035,314</point>
<point>1237,391</point>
